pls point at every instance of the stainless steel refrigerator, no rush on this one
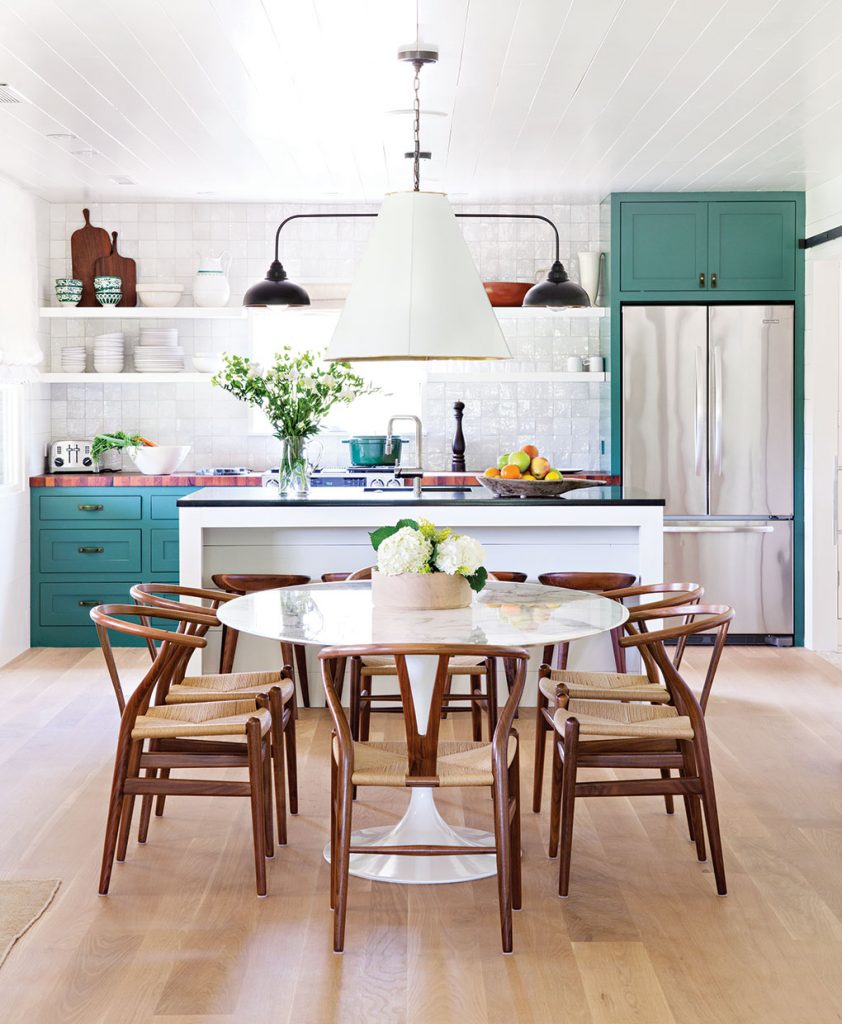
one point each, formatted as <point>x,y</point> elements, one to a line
<point>707,424</point>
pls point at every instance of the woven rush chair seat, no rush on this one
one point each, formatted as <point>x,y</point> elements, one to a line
<point>458,763</point>
<point>230,686</point>
<point>604,686</point>
<point>216,718</point>
<point>458,666</point>
<point>609,719</point>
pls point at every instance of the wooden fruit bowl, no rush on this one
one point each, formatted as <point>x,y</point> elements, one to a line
<point>502,488</point>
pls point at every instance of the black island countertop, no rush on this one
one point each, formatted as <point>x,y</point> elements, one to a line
<point>339,497</point>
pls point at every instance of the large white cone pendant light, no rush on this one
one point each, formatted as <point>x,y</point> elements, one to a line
<point>417,293</point>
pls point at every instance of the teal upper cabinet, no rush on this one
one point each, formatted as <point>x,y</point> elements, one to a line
<point>674,247</point>
<point>752,246</point>
<point>664,247</point>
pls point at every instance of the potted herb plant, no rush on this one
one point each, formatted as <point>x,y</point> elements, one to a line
<point>295,393</point>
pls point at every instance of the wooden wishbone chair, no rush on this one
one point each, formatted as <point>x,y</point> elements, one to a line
<point>195,735</point>
<point>474,669</point>
<point>183,689</point>
<point>617,734</point>
<point>240,583</point>
<point>605,685</point>
<point>594,583</point>
<point>426,762</point>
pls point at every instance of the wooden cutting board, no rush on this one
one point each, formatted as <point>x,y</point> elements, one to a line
<point>87,244</point>
<point>122,267</point>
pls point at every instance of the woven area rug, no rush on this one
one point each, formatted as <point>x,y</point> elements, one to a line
<point>21,904</point>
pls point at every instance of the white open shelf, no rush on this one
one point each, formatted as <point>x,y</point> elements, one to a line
<point>533,377</point>
<point>144,312</point>
<point>241,312</point>
<point>568,312</point>
<point>432,378</point>
<point>125,378</point>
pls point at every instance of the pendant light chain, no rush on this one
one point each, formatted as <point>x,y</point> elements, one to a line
<point>416,130</point>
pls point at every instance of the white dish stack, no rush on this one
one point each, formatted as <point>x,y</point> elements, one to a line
<point>159,351</point>
<point>109,352</point>
<point>73,359</point>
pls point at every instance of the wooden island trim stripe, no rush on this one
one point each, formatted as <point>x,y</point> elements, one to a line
<point>250,480</point>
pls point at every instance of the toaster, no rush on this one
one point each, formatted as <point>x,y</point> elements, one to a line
<point>71,457</point>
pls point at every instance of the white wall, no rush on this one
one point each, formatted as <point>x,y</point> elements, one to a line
<point>23,219</point>
<point>567,421</point>
<point>821,417</point>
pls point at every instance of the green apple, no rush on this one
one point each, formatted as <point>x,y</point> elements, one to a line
<point>521,460</point>
<point>503,460</point>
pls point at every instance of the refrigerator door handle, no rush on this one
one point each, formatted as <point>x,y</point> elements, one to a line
<point>719,529</point>
<point>700,414</point>
<point>717,410</point>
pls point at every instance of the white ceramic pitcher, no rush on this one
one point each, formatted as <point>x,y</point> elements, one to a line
<point>210,285</point>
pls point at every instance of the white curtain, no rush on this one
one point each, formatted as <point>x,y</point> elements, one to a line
<point>20,351</point>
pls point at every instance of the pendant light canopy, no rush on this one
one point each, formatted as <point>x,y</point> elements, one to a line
<point>416,293</point>
<point>556,290</point>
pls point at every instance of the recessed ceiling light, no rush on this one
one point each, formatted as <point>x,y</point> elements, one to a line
<point>9,94</point>
<point>123,179</point>
<point>206,192</point>
<point>62,136</point>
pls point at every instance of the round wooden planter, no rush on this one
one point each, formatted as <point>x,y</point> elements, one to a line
<point>420,591</point>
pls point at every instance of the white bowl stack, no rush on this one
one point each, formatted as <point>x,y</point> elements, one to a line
<point>159,351</point>
<point>73,359</point>
<point>109,352</point>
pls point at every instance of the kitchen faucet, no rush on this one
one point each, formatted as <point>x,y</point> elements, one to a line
<point>415,472</point>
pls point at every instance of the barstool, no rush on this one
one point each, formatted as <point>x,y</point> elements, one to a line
<point>241,583</point>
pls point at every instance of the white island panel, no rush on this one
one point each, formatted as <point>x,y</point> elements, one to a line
<point>223,531</point>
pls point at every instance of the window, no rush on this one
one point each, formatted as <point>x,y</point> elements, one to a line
<point>400,383</point>
<point>11,437</point>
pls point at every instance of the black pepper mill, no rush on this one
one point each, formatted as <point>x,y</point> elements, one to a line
<point>457,463</point>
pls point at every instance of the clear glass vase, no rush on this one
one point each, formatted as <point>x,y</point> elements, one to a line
<point>294,470</point>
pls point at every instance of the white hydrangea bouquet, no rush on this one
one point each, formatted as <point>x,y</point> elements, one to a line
<point>422,566</point>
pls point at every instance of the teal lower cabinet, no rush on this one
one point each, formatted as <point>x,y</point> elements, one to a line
<point>89,546</point>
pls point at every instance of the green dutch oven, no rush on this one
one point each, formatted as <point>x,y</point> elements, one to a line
<point>370,450</point>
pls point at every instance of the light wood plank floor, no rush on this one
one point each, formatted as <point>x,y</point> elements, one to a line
<point>642,939</point>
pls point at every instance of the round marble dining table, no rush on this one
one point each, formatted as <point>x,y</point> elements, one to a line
<point>502,614</point>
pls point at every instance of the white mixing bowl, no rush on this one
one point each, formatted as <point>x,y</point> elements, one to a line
<point>160,460</point>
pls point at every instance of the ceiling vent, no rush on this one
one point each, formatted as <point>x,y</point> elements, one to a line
<point>8,94</point>
<point>123,179</point>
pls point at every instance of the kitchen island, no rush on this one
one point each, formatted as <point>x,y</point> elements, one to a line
<point>253,530</point>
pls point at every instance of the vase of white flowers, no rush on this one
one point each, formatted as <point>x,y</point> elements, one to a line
<point>295,393</point>
<point>422,567</point>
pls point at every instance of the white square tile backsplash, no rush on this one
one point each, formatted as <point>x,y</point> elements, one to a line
<point>569,421</point>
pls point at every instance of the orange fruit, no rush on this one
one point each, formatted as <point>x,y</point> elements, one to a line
<point>510,472</point>
<point>492,471</point>
<point>530,450</point>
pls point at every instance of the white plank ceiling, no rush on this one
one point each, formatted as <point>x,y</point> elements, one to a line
<point>304,100</point>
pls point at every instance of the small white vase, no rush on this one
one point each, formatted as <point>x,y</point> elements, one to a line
<point>590,271</point>
<point>210,285</point>
<point>433,591</point>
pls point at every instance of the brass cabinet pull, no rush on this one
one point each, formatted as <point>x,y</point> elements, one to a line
<point>91,508</point>
<point>91,551</point>
<point>713,280</point>
<point>702,279</point>
<point>89,604</point>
